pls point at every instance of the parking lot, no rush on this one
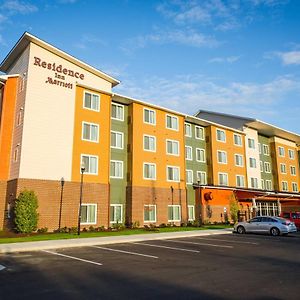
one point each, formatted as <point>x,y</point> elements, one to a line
<point>227,266</point>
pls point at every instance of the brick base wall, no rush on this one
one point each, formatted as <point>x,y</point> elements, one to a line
<point>3,204</point>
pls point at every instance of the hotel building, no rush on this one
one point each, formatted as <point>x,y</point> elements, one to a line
<point>144,164</point>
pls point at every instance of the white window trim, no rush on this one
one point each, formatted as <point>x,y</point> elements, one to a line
<point>90,223</point>
<point>199,138</point>
<point>153,124</point>
<point>282,164</point>
<point>287,186</point>
<point>252,158</point>
<point>295,184</point>
<point>150,221</point>
<point>267,147</point>
<point>268,181</point>
<point>122,163</point>
<point>191,171</point>
<point>189,125</point>
<point>236,177</point>
<point>217,135</point>
<point>238,145</point>
<point>265,164</point>
<point>221,151</point>
<point>118,132</point>
<point>262,182</point>
<point>82,130</point>
<point>176,154</point>
<point>176,220</point>
<point>222,173</point>
<point>193,207</point>
<point>293,151</point>
<point>242,156</point>
<point>174,167</point>
<point>204,160</point>
<point>253,187</point>
<point>279,147</point>
<point>172,116</point>
<point>259,148</point>
<point>201,172</point>
<point>120,105</point>
<point>291,170</point>
<point>149,163</point>
<point>150,136</point>
<point>87,92</point>
<point>116,205</point>
<point>191,153</point>
<point>253,144</point>
<point>89,155</point>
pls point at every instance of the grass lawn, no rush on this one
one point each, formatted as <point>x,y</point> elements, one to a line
<point>18,238</point>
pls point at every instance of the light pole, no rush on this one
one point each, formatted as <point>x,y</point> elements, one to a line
<point>172,198</point>
<point>62,183</point>
<point>200,201</point>
<point>82,169</point>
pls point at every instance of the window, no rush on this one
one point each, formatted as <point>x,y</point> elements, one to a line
<point>189,176</point>
<point>222,157</point>
<point>188,129</point>
<point>174,213</point>
<point>116,139</point>
<point>172,147</point>
<point>281,151</point>
<point>149,143</point>
<point>117,111</point>
<point>293,170</point>
<point>172,122</point>
<point>237,139</point>
<point>199,132</point>
<point>221,135</point>
<point>267,167</point>
<point>252,162</point>
<point>201,177</point>
<point>259,148</point>
<point>90,162</point>
<point>90,132</point>
<point>91,101</point>
<point>266,150</point>
<point>262,184</point>
<point>283,168</point>
<point>149,213</point>
<point>116,213</point>
<point>88,214</point>
<point>173,173</point>
<point>116,169</point>
<point>294,187</point>
<point>253,183</point>
<point>240,181</point>
<point>149,116</point>
<point>20,117</point>
<point>238,160</point>
<point>149,171</point>
<point>223,178</point>
<point>188,153</point>
<point>284,186</point>
<point>191,212</point>
<point>291,154</point>
<point>200,155</point>
<point>251,143</point>
<point>16,154</point>
<point>261,164</point>
<point>269,185</point>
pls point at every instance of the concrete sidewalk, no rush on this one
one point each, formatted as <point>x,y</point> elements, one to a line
<point>70,243</point>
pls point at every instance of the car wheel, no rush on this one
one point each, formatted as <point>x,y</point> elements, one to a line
<point>274,231</point>
<point>240,230</point>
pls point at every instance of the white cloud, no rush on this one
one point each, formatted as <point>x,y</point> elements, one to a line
<point>290,58</point>
<point>15,6</point>
<point>229,59</point>
<point>86,40</point>
<point>2,18</point>
<point>2,41</point>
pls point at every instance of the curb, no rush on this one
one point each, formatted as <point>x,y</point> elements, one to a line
<point>72,243</point>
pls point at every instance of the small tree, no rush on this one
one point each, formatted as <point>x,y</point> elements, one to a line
<point>26,216</point>
<point>234,208</point>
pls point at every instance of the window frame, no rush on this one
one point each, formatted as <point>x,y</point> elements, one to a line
<point>122,170</point>
<point>293,168</point>
<point>89,156</point>
<point>255,179</point>
<point>201,130</point>
<point>116,221</point>
<point>289,154</point>
<point>191,152</point>
<point>90,124</point>
<point>284,182</point>
<point>186,176</point>
<point>219,181</point>
<point>173,167</point>
<point>149,136</point>
<point>239,138</point>
<point>242,160</point>
<point>95,216</point>
<point>190,126</point>
<point>122,135</point>
<point>152,164</point>
<point>119,105</point>
<point>178,147</point>
<point>236,180</point>
<point>172,117</point>
<point>154,116</point>
<point>221,162</point>
<point>293,189</point>
<point>268,183</point>
<point>179,213</point>
<point>92,94</point>
<point>199,177</point>
<point>279,151</point>
<point>201,150</point>
<point>155,211</point>
<point>224,132</point>
<point>193,209</point>
<point>267,153</point>
<point>250,143</point>
<point>252,159</point>
<point>283,166</point>
<point>266,163</point>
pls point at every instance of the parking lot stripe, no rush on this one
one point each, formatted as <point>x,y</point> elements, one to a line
<point>2,267</point>
<point>202,244</point>
<point>166,247</point>
<point>227,241</point>
<point>73,257</point>
<point>126,252</point>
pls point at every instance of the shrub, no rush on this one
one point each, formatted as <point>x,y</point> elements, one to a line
<point>42,230</point>
<point>26,216</point>
<point>234,208</point>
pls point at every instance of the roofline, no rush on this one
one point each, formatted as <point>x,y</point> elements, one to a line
<point>224,114</point>
<point>179,113</point>
<point>4,66</point>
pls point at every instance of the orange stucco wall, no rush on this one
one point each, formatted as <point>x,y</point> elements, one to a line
<point>102,147</point>
<point>7,125</point>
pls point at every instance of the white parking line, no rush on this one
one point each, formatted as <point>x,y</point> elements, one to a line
<point>126,252</point>
<point>73,257</point>
<point>202,244</point>
<point>218,240</point>
<point>2,267</point>
<point>166,247</point>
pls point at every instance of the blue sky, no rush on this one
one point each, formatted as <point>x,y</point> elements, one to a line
<point>238,57</point>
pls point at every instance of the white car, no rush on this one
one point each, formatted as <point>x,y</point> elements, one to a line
<point>266,224</point>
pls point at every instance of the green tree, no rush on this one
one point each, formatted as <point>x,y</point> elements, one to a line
<point>234,208</point>
<point>26,216</point>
